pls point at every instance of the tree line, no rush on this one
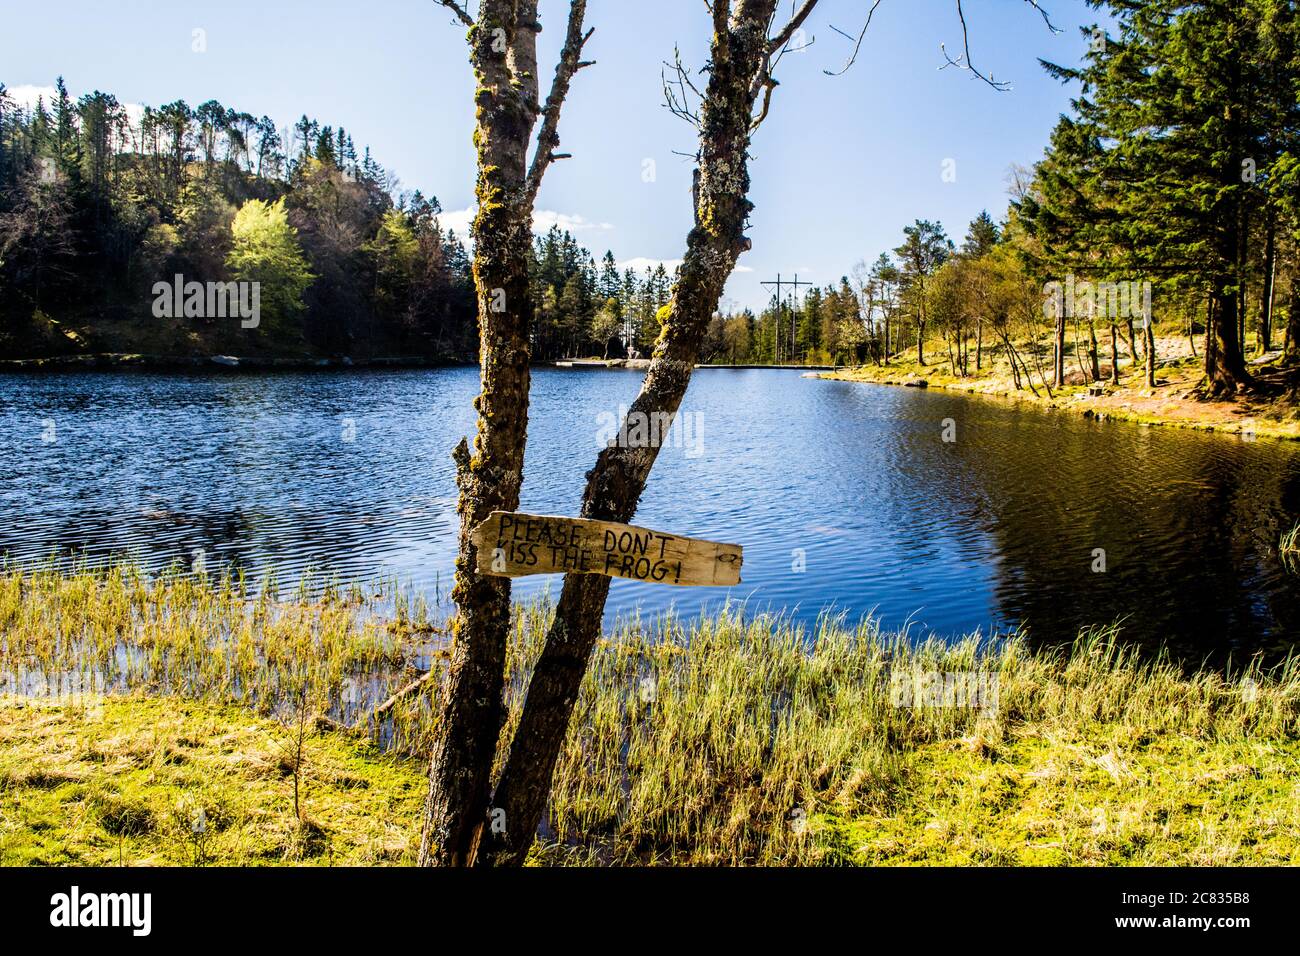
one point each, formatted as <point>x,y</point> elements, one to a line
<point>98,204</point>
<point>1179,164</point>
<point>1168,197</point>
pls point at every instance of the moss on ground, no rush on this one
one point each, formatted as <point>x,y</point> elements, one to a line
<point>1110,798</point>
<point>165,781</point>
<point>124,783</point>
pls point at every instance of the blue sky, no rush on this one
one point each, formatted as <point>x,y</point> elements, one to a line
<point>840,166</point>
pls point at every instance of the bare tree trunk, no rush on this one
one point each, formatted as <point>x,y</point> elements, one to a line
<point>489,480</point>
<point>1093,351</point>
<point>1130,341</point>
<point>1225,364</point>
<point>1038,360</point>
<point>1024,375</point>
<point>1078,351</point>
<point>1209,336</point>
<point>1058,350</point>
<point>737,74</point>
<point>1149,333</point>
<point>1011,357</point>
<point>1114,354</point>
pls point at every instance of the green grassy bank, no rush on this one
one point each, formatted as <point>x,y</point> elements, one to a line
<point>720,740</point>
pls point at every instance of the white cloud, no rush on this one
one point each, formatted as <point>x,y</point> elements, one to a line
<point>26,96</point>
<point>641,263</point>
<point>457,220</point>
<point>543,220</point>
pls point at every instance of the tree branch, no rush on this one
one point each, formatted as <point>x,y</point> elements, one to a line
<point>857,45</point>
<point>721,11</point>
<point>548,136</point>
<point>963,61</point>
<point>457,9</point>
<point>678,100</point>
<point>1046,19</point>
<point>788,31</point>
<point>763,80</point>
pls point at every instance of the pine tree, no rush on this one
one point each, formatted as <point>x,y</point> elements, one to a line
<point>981,236</point>
<point>610,285</point>
<point>67,144</point>
<point>925,248</point>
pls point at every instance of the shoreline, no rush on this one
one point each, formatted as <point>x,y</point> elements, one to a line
<point>1171,404</point>
<point>129,361</point>
<point>132,361</point>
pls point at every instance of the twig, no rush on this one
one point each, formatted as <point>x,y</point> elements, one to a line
<point>789,30</point>
<point>1046,19</point>
<point>857,44</point>
<point>404,693</point>
<point>678,102</point>
<point>457,9</point>
<point>963,61</point>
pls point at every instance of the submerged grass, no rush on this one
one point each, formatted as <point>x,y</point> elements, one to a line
<point>725,740</point>
<point>1289,545</point>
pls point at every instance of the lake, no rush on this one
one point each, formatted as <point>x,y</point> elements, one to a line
<point>845,496</point>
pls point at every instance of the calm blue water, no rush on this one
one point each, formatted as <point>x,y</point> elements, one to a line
<point>843,495</point>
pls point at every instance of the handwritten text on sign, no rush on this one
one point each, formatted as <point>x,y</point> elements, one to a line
<point>511,544</point>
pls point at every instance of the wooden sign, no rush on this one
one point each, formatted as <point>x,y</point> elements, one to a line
<point>511,545</point>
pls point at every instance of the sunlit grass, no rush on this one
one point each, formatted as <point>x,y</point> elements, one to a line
<point>724,739</point>
<point>1289,545</point>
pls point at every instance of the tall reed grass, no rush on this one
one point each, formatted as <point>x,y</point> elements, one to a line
<point>710,740</point>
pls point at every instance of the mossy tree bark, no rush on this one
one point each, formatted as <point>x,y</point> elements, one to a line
<point>741,55</point>
<point>503,52</point>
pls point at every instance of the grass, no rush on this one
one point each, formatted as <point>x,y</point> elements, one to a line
<point>144,781</point>
<point>1290,543</point>
<point>1288,548</point>
<point>721,740</point>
